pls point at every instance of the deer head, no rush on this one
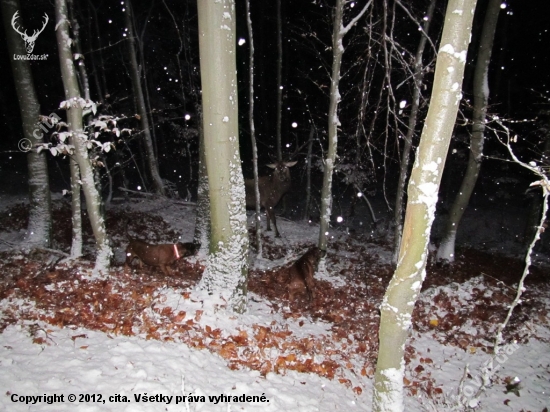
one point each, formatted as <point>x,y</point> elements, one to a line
<point>29,40</point>
<point>281,172</point>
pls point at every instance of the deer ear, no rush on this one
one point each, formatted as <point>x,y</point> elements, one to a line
<point>272,165</point>
<point>290,164</point>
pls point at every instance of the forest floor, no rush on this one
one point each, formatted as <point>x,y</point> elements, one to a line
<point>333,339</point>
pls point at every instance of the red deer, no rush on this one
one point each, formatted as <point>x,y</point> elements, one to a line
<point>272,188</point>
<point>301,274</point>
<point>158,255</point>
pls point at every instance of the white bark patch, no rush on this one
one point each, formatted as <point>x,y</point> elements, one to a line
<point>431,167</point>
<point>392,399</point>
<point>448,48</point>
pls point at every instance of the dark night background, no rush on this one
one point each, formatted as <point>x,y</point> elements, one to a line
<point>519,84</point>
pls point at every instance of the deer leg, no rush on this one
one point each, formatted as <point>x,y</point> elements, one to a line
<point>268,212</point>
<point>271,215</point>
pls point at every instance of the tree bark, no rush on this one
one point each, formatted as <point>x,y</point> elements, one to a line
<point>446,251</point>
<point>279,81</point>
<point>202,222</point>
<point>258,215</point>
<point>226,272</point>
<point>147,140</point>
<point>339,31</point>
<point>399,300</point>
<point>40,215</point>
<point>418,77</point>
<point>78,138</point>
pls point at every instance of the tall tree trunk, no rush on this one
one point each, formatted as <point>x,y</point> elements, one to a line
<point>226,272</point>
<point>279,81</point>
<point>308,171</point>
<point>399,300</point>
<point>418,76</point>
<point>76,209</point>
<point>338,33</point>
<point>257,219</point>
<point>446,249</point>
<point>78,138</point>
<point>147,140</point>
<point>75,26</point>
<point>202,220</point>
<point>40,217</point>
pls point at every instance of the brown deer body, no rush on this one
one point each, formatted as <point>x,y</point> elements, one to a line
<point>272,188</point>
<point>301,274</point>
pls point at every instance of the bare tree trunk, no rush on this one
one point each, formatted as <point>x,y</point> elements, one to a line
<point>40,216</point>
<point>399,300</point>
<point>418,77</point>
<point>76,209</point>
<point>308,171</point>
<point>339,31</point>
<point>78,138</point>
<point>226,272</point>
<point>202,220</point>
<point>104,90</point>
<point>158,186</point>
<point>75,26</point>
<point>279,81</point>
<point>253,130</point>
<point>446,249</point>
<point>145,79</point>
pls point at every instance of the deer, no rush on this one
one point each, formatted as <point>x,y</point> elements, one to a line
<point>272,188</point>
<point>29,40</point>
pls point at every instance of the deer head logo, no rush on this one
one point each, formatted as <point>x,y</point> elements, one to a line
<point>29,40</point>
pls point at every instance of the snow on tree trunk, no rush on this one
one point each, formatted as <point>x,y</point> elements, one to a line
<point>338,33</point>
<point>147,140</point>
<point>399,300</point>
<point>258,215</point>
<point>407,146</point>
<point>226,272</point>
<point>78,138</point>
<point>446,249</point>
<point>202,221</point>
<point>76,210</point>
<point>40,216</point>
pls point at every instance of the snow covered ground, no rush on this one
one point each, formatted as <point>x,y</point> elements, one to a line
<point>109,371</point>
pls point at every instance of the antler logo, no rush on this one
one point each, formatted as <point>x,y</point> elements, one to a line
<point>29,40</point>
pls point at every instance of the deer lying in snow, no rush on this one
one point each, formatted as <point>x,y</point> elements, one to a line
<point>157,255</point>
<point>272,188</point>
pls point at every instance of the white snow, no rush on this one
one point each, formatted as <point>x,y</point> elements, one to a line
<point>78,361</point>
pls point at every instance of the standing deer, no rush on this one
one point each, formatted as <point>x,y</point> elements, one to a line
<point>272,188</point>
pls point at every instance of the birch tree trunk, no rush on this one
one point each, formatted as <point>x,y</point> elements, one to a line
<point>40,216</point>
<point>78,138</point>
<point>399,300</point>
<point>446,249</point>
<point>147,140</point>
<point>415,106</point>
<point>258,215</point>
<point>339,31</point>
<point>226,272</point>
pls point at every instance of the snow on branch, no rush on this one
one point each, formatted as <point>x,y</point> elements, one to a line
<point>344,30</point>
